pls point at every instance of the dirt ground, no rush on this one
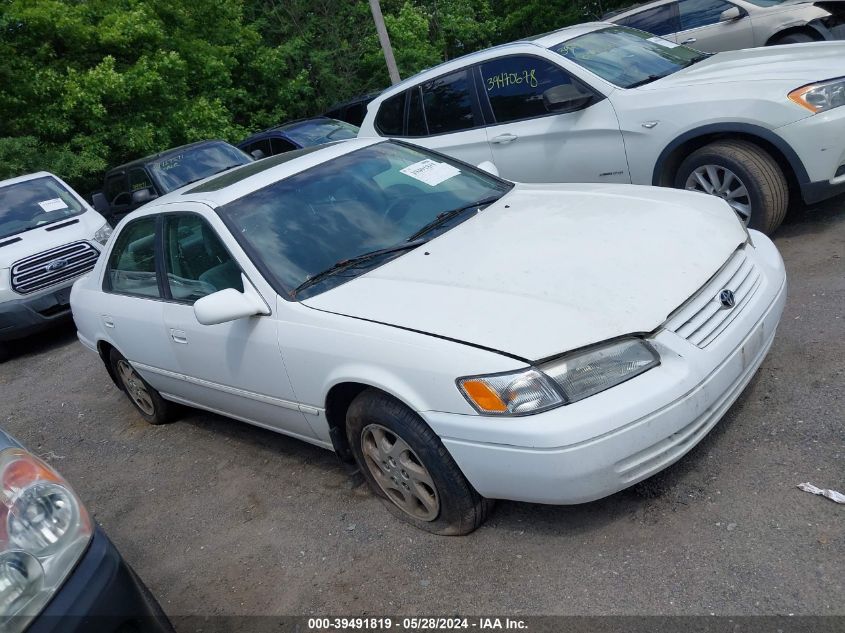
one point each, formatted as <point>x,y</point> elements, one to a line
<point>219,517</point>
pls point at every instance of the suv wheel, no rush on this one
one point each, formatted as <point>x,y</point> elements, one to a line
<point>146,400</point>
<point>742,174</point>
<point>409,469</point>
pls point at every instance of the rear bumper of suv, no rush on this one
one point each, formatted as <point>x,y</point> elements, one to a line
<point>28,315</point>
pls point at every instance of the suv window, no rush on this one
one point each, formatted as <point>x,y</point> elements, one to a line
<point>132,268</point>
<point>448,102</point>
<point>262,144</point>
<point>661,20</point>
<point>515,86</point>
<point>391,114</point>
<point>196,261</point>
<point>696,13</point>
<point>138,180</point>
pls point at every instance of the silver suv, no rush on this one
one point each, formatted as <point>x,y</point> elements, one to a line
<point>719,25</point>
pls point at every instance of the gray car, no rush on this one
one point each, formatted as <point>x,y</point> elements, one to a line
<point>719,25</point>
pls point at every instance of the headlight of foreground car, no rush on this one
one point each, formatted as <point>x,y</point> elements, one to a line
<point>46,531</point>
<point>560,381</point>
<point>822,96</point>
<point>103,233</point>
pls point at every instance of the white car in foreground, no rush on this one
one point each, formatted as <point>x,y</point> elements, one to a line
<point>463,337</point>
<point>605,103</point>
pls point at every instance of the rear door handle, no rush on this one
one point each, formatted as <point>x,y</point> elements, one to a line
<point>689,40</point>
<point>108,321</point>
<point>179,336</point>
<point>504,139</point>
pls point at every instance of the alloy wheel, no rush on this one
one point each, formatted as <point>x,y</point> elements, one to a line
<point>135,387</point>
<point>399,472</point>
<point>722,182</point>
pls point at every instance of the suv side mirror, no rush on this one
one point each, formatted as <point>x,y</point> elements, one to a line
<point>729,15</point>
<point>142,196</point>
<point>101,205</point>
<point>566,98</point>
<point>257,154</point>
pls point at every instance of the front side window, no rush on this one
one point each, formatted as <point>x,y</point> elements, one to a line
<point>139,180</point>
<point>515,86</point>
<point>696,13</point>
<point>132,263</point>
<point>263,145</point>
<point>661,20</point>
<point>280,145</point>
<point>195,163</point>
<point>196,261</point>
<point>374,198</point>
<point>448,103</point>
<point>626,57</point>
<point>34,203</point>
<point>116,189</point>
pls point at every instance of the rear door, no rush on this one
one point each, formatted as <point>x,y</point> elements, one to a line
<point>532,144</point>
<point>703,28</point>
<point>661,20</point>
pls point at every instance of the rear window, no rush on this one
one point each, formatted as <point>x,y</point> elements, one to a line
<point>34,203</point>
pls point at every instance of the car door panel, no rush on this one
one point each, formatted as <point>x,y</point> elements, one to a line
<point>701,27</point>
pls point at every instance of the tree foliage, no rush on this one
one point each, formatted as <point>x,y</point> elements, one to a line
<point>86,84</point>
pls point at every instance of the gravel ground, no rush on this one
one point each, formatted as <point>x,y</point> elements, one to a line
<point>222,518</point>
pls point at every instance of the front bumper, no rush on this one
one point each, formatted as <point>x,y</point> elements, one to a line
<point>28,315</point>
<point>102,594</point>
<point>819,141</point>
<point>605,443</point>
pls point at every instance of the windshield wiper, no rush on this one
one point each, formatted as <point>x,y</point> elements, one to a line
<point>444,217</point>
<point>647,80</point>
<point>697,59</point>
<point>352,262</point>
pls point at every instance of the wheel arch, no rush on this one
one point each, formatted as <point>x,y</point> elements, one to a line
<point>104,349</point>
<point>673,154</point>
<point>807,29</point>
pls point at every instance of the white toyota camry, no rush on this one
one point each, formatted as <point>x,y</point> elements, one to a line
<point>463,338</point>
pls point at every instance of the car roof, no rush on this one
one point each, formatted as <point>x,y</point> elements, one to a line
<point>139,162</point>
<point>24,178</point>
<point>222,188</point>
<point>544,40</point>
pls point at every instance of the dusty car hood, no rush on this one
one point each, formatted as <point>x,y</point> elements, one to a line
<point>797,64</point>
<point>549,268</point>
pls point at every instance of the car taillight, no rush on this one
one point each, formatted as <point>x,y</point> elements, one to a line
<point>44,530</point>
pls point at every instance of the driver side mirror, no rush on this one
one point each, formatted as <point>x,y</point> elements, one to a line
<point>729,15</point>
<point>230,305</point>
<point>101,205</point>
<point>489,167</point>
<point>257,154</point>
<point>142,196</point>
<point>566,98</point>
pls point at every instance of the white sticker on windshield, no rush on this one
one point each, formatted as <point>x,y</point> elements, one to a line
<point>431,172</point>
<point>55,204</point>
<point>664,43</point>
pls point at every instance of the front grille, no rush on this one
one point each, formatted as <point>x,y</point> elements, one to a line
<point>704,318</point>
<point>53,267</point>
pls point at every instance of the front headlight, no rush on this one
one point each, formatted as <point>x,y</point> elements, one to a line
<point>103,233</point>
<point>822,96</point>
<point>44,530</point>
<point>559,381</point>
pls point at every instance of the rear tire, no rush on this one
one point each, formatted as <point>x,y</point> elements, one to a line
<point>146,400</point>
<point>766,192</point>
<point>409,469</point>
<point>794,38</point>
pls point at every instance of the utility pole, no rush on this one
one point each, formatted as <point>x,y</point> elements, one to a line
<point>385,42</point>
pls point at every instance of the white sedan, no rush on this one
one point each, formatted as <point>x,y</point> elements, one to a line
<point>463,338</point>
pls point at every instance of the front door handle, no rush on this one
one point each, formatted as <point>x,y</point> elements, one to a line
<point>689,40</point>
<point>504,139</point>
<point>179,336</point>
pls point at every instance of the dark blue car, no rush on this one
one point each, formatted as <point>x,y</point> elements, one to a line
<point>296,135</point>
<point>58,569</point>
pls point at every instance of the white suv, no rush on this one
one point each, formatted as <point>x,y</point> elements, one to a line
<point>606,103</point>
<point>49,236</point>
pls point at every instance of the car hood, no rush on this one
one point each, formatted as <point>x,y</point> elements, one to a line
<point>43,238</point>
<point>792,64</point>
<point>548,269</point>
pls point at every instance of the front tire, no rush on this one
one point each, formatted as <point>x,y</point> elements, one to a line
<point>744,175</point>
<point>146,400</point>
<point>409,469</point>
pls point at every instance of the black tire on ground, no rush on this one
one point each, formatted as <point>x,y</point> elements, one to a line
<point>159,410</point>
<point>794,38</point>
<point>763,178</point>
<point>461,508</point>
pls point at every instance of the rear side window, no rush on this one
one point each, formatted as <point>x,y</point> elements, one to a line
<point>696,13</point>
<point>391,115</point>
<point>448,103</point>
<point>132,265</point>
<point>196,261</point>
<point>661,20</point>
<point>515,86</point>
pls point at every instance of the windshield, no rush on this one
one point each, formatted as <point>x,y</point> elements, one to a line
<point>374,198</point>
<point>195,163</point>
<point>320,131</point>
<point>32,203</point>
<point>627,57</point>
